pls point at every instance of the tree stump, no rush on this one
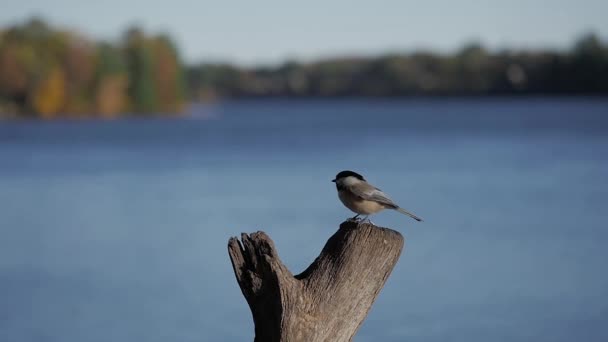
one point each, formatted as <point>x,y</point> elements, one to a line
<point>326,302</point>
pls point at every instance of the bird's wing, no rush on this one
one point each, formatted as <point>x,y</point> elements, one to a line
<point>370,193</point>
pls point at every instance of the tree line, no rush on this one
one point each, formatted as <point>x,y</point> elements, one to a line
<point>473,70</point>
<point>48,72</point>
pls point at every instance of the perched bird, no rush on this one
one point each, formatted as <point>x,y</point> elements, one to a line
<point>363,198</point>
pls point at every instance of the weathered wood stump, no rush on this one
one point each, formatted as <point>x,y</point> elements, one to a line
<point>326,302</point>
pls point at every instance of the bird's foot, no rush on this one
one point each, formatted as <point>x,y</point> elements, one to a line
<point>354,219</point>
<point>366,219</point>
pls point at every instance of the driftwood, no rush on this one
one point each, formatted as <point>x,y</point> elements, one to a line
<point>326,302</point>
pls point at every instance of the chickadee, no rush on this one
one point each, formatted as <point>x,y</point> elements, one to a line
<point>363,198</point>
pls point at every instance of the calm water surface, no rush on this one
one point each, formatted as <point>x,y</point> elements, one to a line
<point>116,231</point>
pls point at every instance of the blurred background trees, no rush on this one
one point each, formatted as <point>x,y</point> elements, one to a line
<point>471,71</point>
<point>48,72</point>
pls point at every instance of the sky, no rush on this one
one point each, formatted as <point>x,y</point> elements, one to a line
<point>272,31</point>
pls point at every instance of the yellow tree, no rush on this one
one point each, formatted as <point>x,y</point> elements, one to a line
<point>112,82</point>
<point>49,95</point>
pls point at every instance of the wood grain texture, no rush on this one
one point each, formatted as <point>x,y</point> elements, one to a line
<point>326,302</point>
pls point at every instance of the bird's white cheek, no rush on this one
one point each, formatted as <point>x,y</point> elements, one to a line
<point>348,181</point>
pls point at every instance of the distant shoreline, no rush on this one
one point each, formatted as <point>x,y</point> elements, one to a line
<point>48,72</point>
<point>191,110</point>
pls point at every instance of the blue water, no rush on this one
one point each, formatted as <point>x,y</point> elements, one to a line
<point>116,231</point>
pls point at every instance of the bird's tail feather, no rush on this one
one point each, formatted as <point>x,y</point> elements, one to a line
<point>403,211</point>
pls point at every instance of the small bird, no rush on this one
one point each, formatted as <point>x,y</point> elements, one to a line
<point>363,198</point>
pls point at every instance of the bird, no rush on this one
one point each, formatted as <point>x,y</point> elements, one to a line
<point>362,198</point>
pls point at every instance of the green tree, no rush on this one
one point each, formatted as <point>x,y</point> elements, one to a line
<point>140,62</point>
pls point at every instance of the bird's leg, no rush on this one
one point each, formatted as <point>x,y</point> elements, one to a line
<point>354,218</point>
<point>366,219</point>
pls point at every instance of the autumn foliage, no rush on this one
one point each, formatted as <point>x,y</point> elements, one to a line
<point>47,73</point>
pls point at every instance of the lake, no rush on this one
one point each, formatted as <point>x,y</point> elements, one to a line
<point>117,230</point>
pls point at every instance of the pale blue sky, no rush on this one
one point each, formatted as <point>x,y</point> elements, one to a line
<point>253,32</point>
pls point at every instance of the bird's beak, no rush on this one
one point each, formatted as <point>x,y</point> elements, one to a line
<point>333,180</point>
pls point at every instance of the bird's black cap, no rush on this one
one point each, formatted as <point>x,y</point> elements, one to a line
<point>348,173</point>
